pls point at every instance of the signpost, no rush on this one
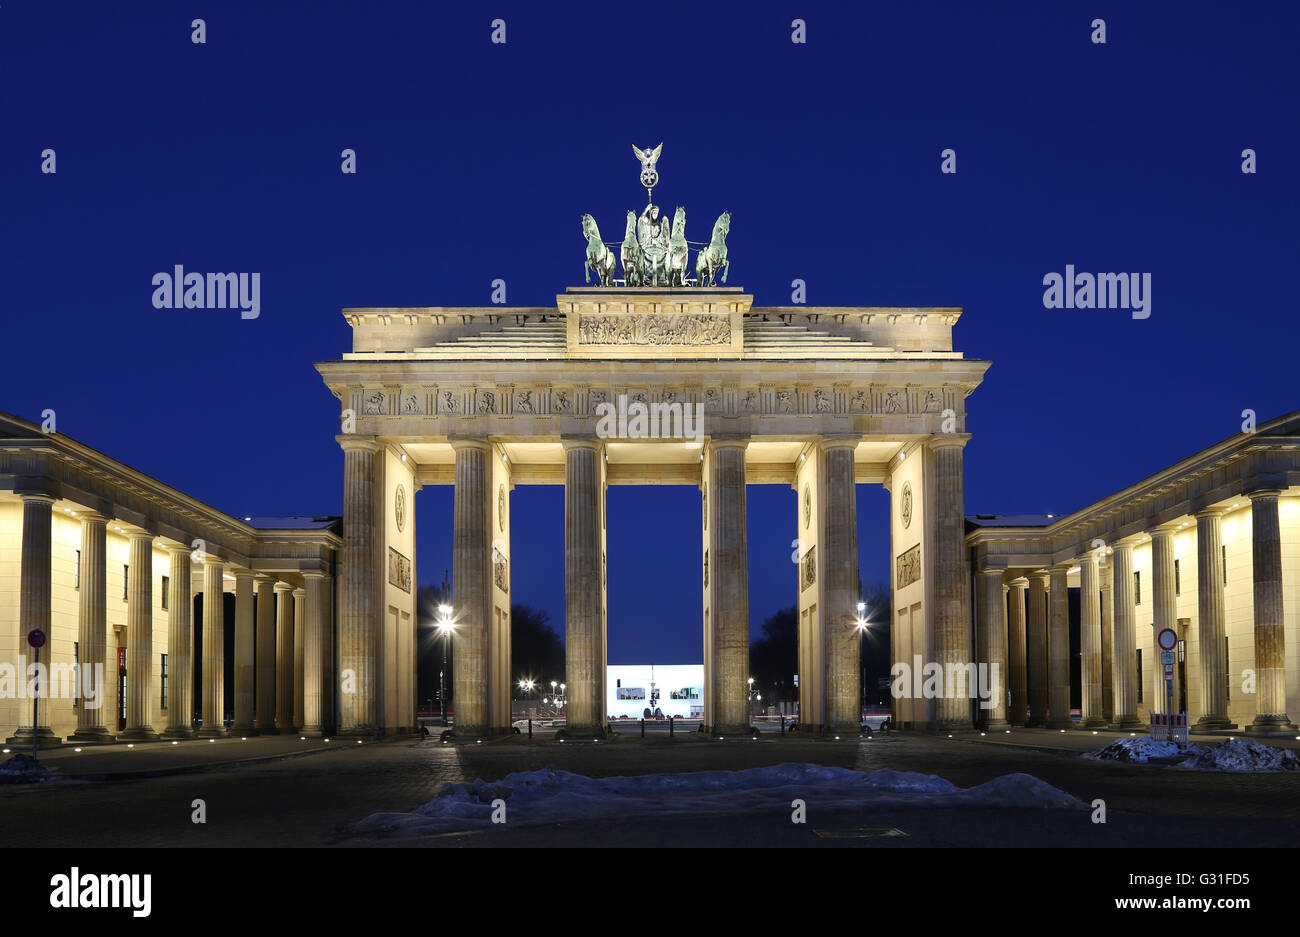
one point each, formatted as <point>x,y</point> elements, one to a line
<point>36,638</point>
<point>1168,640</point>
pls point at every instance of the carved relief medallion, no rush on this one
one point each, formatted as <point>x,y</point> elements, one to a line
<point>501,507</point>
<point>905,505</point>
<point>807,505</point>
<point>399,507</point>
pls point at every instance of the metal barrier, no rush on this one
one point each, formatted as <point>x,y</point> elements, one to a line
<point>1170,727</point>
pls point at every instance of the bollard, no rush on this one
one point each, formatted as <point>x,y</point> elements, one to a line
<point>783,725</point>
<point>642,728</point>
<point>530,726</point>
<point>670,726</point>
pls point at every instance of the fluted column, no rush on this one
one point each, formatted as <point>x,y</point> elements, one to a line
<point>471,590</point>
<point>92,631</point>
<point>1058,649</point>
<point>1106,577</point>
<point>139,642</point>
<point>180,646</point>
<point>34,612</point>
<point>951,587</point>
<point>214,649</point>
<point>583,590</point>
<point>361,611</point>
<point>1211,620</point>
<point>313,647</point>
<point>284,616</point>
<point>1125,671</point>
<point>993,601</point>
<point>729,593</point>
<point>245,674</point>
<point>1017,675</point>
<point>1090,642</point>
<point>266,656</point>
<point>1270,660</point>
<point>1036,646</point>
<point>299,637</point>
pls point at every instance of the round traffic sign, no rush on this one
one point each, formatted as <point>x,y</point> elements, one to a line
<point>1167,639</point>
<point>36,637</point>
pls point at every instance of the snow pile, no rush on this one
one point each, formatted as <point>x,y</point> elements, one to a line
<point>554,796</point>
<point>1242,755</point>
<point>1233,754</point>
<point>1138,750</point>
<point>24,769</point>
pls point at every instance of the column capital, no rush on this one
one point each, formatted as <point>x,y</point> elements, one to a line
<point>174,548</point>
<point>282,586</point>
<point>314,574</point>
<point>1213,511</point>
<point>1264,494</point>
<point>91,515</point>
<point>728,441</point>
<point>469,442</point>
<point>1167,529</point>
<point>299,592</point>
<point>581,442</point>
<point>990,572</point>
<point>940,440</point>
<point>839,441</point>
<point>262,579</point>
<point>1020,582</point>
<point>240,573</point>
<point>1040,575</point>
<point>36,496</point>
<point>349,441</point>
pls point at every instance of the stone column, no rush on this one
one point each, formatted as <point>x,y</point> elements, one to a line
<point>1270,660</point>
<point>139,642</point>
<point>299,638</point>
<point>1036,647</point>
<point>245,674</point>
<point>994,709</point>
<point>180,646</point>
<point>1125,672</point>
<point>1164,610</point>
<point>1211,619</point>
<point>34,597</point>
<point>951,586</point>
<point>214,649</point>
<point>1090,642</point>
<point>583,591</point>
<point>266,655</point>
<point>92,631</point>
<point>284,658</point>
<point>1058,650</point>
<point>361,601</point>
<point>1107,641</point>
<point>1016,652</point>
<point>471,591</point>
<point>729,593</point>
<point>313,649</point>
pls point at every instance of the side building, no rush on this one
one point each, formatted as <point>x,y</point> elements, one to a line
<point>113,567</point>
<point>1208,548</point>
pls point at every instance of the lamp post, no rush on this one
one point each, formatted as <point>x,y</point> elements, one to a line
<point>444,629</point>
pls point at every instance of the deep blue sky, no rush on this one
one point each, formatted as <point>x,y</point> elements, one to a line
<point>476,160</point>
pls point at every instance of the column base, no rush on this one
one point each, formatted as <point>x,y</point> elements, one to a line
<point>1128,724</point>
<point>45,738</point>
<point>270,730</point>
<point>1271,725</point>
<point>96,736</point>
<point>1096,722</point>
<point>211,734</point>
<point>1060,724</point>
<point>141,734</point>
<point>181,733</point>
<point>243,731</point>
<point>352,732</point>
<point>312,732</point>
<point>1213,724</point>
<point>997,725</point>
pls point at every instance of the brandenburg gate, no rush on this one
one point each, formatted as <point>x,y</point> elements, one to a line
<point>654,378</point>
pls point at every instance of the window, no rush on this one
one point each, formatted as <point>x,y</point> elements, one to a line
<point>1178,579</point>
<point>164,678</point>
<point>1225,563</point>
<point>166,581</point>
<point>631,692</point>
<point>126,577</point>
<point>1139,650</point>
<point>1227,671</point>
<point>686,692</point>
<point>76,572</point>
<point>76,671</point>
<point>1137,587</point>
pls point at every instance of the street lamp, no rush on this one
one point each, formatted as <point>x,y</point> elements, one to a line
<point>445,628</point>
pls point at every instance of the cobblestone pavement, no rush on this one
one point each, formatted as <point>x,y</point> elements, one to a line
<point>313,801</point>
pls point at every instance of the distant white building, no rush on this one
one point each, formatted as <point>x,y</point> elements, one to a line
<point>652,690</point>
